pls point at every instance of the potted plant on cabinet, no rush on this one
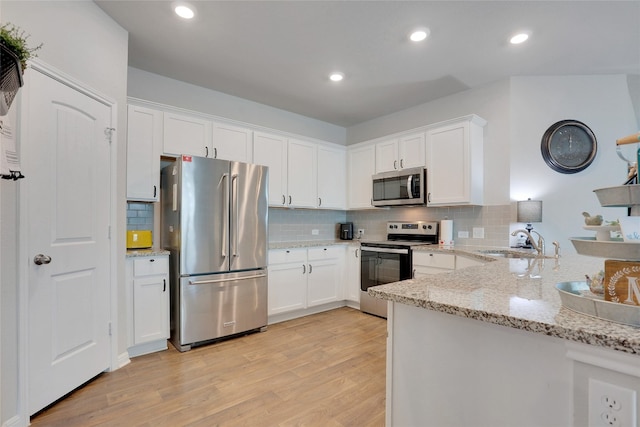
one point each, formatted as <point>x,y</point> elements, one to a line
<point>14,53</point>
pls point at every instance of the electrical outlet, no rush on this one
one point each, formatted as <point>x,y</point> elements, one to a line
<point>360,232</point>
<point>463,234</point>
<point>315,232</point>
<point>478,232</point>
<point>611,405</point>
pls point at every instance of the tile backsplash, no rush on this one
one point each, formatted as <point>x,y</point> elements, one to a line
<point>140,216</point>
<point>289,225</point>
<point>293,225</point>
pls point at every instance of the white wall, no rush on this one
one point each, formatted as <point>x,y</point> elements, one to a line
<point>83,42</point>
<point>601,102</point>
<point>153,87</point>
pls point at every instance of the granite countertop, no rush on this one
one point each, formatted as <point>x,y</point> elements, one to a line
<point>517,293</point>
<point>146,252</point>
<point>310,243</point>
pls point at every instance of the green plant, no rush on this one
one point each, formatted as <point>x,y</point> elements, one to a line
<point>16,40</point>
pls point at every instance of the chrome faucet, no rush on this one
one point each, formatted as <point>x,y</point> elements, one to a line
<point>539,247</point>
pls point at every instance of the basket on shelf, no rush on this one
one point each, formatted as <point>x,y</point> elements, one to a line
<point>10,78</point>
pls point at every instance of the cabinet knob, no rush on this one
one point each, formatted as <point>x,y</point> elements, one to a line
<point>152,260</point>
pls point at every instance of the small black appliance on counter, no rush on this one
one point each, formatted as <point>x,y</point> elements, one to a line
<point>346,231</point>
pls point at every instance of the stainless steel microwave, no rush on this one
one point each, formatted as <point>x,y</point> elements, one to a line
<point>406,187</point>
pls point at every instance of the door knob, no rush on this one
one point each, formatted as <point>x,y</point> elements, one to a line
<point>41,259</point>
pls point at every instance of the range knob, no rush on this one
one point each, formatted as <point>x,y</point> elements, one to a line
<point>391,226</point>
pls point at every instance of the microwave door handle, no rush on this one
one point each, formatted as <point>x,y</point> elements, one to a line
<point>410,186</point>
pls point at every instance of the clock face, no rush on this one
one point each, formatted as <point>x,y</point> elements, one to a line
<point>569,146</point>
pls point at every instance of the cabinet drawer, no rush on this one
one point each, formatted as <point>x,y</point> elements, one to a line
<point>325,252</point>
<point>429,259</point>
<point>146,266</point>
<point>283,256</point>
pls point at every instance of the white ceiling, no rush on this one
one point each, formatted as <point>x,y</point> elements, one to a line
<point>279,53</point>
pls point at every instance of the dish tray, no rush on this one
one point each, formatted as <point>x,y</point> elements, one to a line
<point>620,196</point>
<point>615,248</point>
<point>577,297</point>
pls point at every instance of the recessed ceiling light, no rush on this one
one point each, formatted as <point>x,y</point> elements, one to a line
<point>419,34</point>
<point>336,76</point>
<point>184,10</point>
<point>519,38</point>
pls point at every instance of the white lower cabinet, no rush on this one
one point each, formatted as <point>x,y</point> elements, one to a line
<point>433,263</point>
<point>287,280</point>
<point>147,303</point>
<point>301,278</point>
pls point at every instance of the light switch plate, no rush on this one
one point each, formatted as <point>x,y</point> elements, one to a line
<point>478,232</point>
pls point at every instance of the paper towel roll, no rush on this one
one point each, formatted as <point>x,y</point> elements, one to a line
<point>446,232</point>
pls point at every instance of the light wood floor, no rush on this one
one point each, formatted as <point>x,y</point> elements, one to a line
<point>326,369</point>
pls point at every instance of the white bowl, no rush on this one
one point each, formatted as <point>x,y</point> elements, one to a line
<point>630,228</point>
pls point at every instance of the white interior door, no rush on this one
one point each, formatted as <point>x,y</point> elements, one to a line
<point>66,157</point>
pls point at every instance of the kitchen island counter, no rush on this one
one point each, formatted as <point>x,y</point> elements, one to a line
<point>518,293</point>
<point>493,345</point>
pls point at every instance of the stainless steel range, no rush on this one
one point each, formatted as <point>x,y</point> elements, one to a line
<point>391,260</point>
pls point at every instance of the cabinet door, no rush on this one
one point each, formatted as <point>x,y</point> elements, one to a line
<point>323,282</point>
<point>324,274</point>
<point>448,159</point>
<point>411,151</point>
<point>332,178</point>
<point>232,143</point>
<point>150,308</point>
<point>187,135</point>
<point>455,163</point>
<point>302,174</point>
<point>387,156</point>
<point>144,145</point>
<point>352,289</point>
<point>271,150</point>
<point>287,287</point>
<point>362,163</point>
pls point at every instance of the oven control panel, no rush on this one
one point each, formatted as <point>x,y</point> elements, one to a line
<point>419,228</point>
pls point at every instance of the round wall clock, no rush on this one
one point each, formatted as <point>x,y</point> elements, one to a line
<point>569,146</point>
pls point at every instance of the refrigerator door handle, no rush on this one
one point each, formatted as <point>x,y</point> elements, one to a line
<point>225,214</point>
<point>236,219</point>
<point>206,282</point>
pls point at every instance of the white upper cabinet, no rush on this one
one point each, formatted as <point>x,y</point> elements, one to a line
<point>271,150</point>
<point>455,163</point>
<point>360,167</point>
<point>188,135</point>
<point>302,174</point>
<point>332,177</point>
<point>144,146</point>
<point>387,156</point>
<point>232,143</point>
<point>406,151</point>
<point>411,150</point>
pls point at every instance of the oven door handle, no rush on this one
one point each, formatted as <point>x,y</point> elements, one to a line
<point>385,250</point>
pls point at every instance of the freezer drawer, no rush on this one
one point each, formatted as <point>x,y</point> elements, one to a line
<point>219,305</point>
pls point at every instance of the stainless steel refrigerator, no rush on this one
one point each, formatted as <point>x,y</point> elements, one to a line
<point>214,223</point>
